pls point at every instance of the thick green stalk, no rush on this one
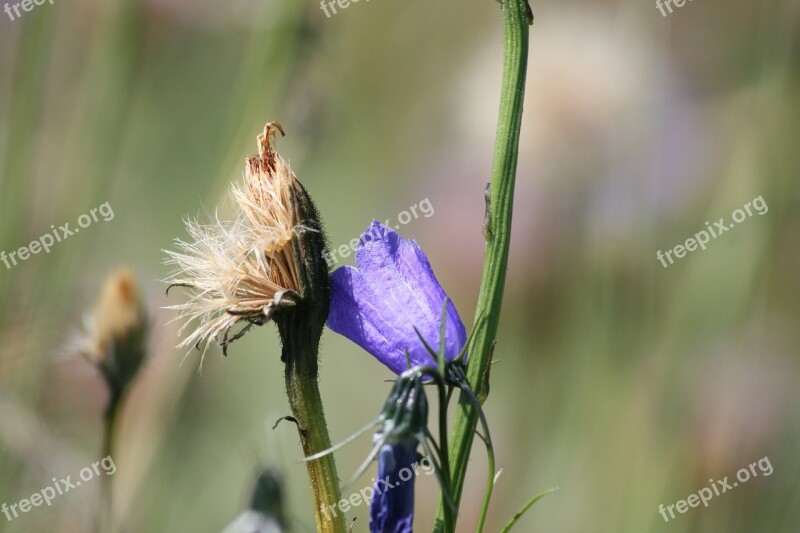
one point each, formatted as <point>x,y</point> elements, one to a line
<point>300,357</point>
<point>497,231</point>
<point>306,406</point>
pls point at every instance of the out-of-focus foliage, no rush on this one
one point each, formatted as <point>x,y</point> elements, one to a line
<point>626,384</point>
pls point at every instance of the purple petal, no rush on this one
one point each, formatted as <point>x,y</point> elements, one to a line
<point>392,506</point>
<point>392,291</point>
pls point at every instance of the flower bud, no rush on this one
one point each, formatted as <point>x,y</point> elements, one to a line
<point>116,332</point>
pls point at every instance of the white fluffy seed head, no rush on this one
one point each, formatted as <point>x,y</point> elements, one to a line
<point>247,268</point>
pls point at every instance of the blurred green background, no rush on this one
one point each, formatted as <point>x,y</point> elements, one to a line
<point>625,384</point>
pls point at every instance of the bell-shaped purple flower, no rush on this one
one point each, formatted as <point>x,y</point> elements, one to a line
<point>392,507</point>
<point>391,292</point>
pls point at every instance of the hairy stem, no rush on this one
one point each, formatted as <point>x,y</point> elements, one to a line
<point>497,231</point>
<point>300,356</point>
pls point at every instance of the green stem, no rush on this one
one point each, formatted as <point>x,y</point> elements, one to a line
<point>497,231</point>
<point>487,439</point>
<point>304,399</point>
<point>447,512</point>
<point>106,516</point>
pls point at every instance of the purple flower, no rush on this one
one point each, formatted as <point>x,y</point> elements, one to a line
<point>391,291</point>
<point>392,507</point>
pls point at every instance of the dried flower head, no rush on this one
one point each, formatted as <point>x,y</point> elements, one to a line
<point>115,331</point>
<point>251,268</point>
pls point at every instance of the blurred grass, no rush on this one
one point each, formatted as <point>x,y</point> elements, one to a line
<point>626,384</point>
